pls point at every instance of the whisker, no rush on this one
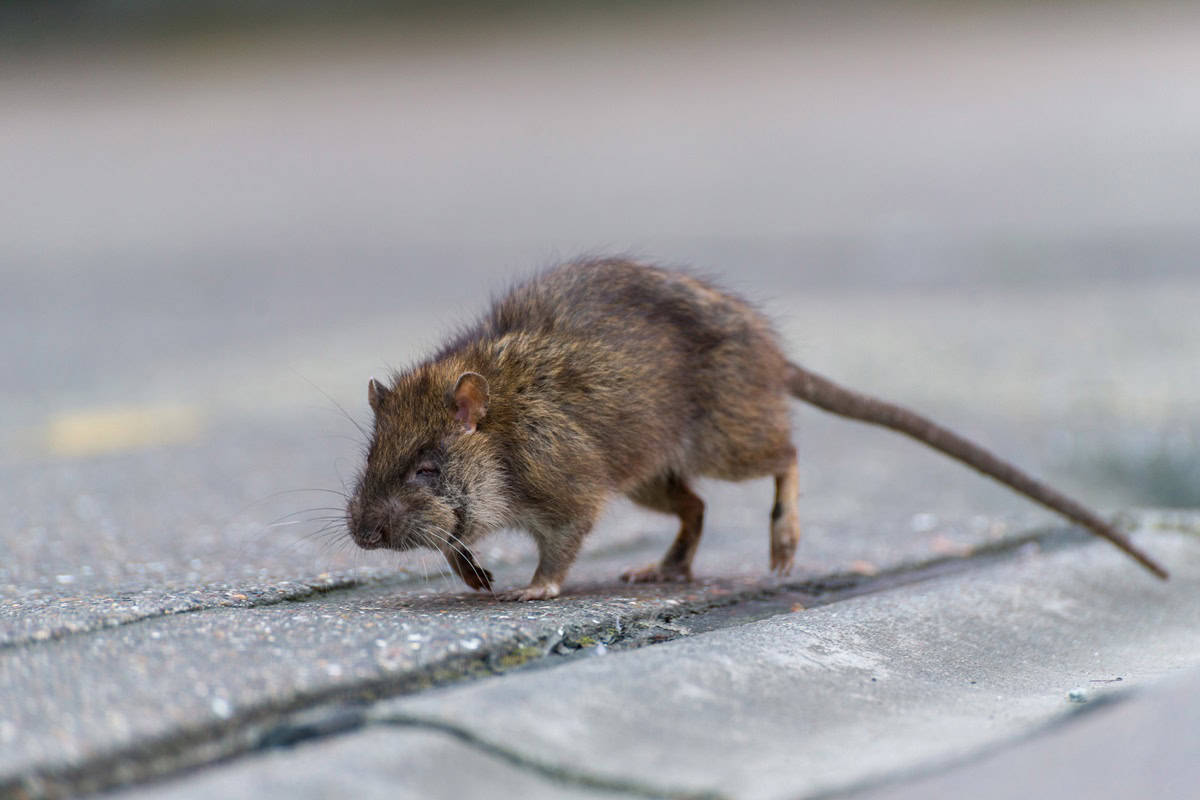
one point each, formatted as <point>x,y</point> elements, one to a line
<point>329,397</point>
<point>317,515</point>
<point>344,437</point>
<point>284,524</point>
<point>273,495</point>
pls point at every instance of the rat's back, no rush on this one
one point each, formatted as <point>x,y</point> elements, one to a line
<point>623,301</point>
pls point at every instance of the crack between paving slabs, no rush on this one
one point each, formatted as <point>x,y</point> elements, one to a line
<point>318,715</point>
<point>264,727</point>
<point>310,588</point>
<point>306,591</point>
<point>549,770</point>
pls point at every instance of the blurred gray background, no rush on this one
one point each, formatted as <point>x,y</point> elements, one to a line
<point>220,219</point>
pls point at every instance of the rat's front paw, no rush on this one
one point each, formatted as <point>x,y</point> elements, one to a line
<point>534,591</point>
<point>478,579</point>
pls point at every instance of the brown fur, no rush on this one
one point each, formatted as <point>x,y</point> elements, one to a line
<point>595,378</point>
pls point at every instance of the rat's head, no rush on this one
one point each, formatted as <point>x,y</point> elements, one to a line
<point>432,477</point>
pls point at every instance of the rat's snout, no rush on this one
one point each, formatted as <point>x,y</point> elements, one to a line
<point>365,535</point>
<point>369,539</point>
<point>372,525</point>
<point>370,534</point>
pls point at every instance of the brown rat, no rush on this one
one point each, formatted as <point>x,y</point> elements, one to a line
<point>602,377</point>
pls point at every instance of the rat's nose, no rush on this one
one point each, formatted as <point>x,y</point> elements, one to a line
<point>370,538</point>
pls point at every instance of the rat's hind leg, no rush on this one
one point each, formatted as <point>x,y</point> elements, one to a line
<point>671,494</point>
<point>785,519</point>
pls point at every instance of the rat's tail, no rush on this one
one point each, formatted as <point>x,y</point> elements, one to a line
<point>827,395</point>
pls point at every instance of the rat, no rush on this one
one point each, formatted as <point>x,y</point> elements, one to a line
<point>602,377</point>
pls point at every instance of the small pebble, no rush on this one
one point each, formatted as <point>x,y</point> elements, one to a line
<point>1077,695</point>
<point>220,707</point>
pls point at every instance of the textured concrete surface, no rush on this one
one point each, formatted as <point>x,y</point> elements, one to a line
<point>382,763</point>
<point>808,702</point>
<point>1143,747</point>
<point>88,696</point>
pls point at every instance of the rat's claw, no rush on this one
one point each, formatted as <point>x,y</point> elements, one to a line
<point>781,567</point>
<point>481,580</point>
<point>783,555</point>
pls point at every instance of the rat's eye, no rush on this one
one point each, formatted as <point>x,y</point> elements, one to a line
<point>426,473</point>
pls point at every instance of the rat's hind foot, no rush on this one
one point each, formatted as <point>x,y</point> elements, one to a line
<point>785,521</point>
<point>658,573</point>
<point>534,591</point>
<point>781,564</point>
<point>670,493</point>
<point>785,535</point>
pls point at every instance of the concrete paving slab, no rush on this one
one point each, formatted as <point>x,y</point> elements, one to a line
<point>1145,746</point>
<point>88,709</point>
<point>382,764</point>
<point>94,699</point>
<point>810,703</point>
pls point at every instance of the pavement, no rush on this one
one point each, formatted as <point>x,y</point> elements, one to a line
<point>986,214</point>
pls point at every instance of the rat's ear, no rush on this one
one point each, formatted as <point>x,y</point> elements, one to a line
<point>375,394</point>
<point>469,400</point>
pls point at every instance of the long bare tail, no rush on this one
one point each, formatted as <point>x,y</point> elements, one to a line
<point>827,395</point>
